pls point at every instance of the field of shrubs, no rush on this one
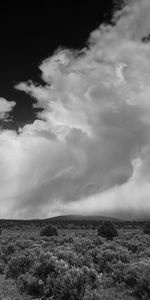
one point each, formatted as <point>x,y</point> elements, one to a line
<point>95,263</point>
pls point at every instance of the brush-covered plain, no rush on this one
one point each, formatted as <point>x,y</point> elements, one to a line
<point>75,264</point>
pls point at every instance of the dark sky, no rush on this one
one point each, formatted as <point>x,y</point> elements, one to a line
<point>28,34</point>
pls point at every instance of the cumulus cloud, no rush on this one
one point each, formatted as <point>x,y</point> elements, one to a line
<point>89,149</point>
<point>5,108</point>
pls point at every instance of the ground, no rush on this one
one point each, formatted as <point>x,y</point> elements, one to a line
<point>75,265</point>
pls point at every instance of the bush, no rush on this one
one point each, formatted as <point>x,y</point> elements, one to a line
<point>49,231</point>
<point>107,230</point>
<point>72,285</point>
<point>30,284</point>
<point>146,228</point>
<point>18,265</point>
<point>2,267</point>
<point>137,277</point>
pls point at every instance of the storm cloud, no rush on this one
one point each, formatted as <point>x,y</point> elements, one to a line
<point>89,149</point>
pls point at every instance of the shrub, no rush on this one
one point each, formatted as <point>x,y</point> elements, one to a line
<point>9,249</point>
<point>106,260</point>
<point>146,228</point>
<point>82,244</point>
<point>2,267</point>
<point>107,230</point>
<point>137,277</point>
<point>46,264</point>
<point>18,265</point>
<point>72,285</point>
<point>30,284</point>
<point>51,277</point>
<point>71,257</point>
<point>48,231</point>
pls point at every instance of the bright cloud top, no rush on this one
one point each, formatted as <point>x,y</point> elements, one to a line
<point>89,149</point>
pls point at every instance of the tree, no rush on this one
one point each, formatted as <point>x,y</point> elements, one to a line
<point>107,230</point>
<point>146,228</point>
<point>48,231</point>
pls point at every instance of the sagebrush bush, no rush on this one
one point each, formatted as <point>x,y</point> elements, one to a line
<point>2,267</point>
<point>70,257</point>
<point>107,230</point>
<point>137,276</point>
<point>74,282</point>
<point>30,284</point>
<point>48,231</point>
<point>18,265</point>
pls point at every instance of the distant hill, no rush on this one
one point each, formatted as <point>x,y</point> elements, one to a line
<point>77,220</point>
<point>63,219</point>
<point>86,218</point>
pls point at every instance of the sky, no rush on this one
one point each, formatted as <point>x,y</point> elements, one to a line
<point>75,110</point>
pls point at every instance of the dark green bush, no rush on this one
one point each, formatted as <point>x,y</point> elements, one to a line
<point>107,230</point>
<point>146,228</point>
<point>48,231</point>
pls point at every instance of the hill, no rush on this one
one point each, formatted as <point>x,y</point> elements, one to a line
<point>62,221</point>
<point>86,218</point>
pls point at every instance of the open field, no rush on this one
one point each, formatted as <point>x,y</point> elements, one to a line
<point>76,264</point>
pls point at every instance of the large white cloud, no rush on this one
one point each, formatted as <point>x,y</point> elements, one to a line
<point>89,149</point>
